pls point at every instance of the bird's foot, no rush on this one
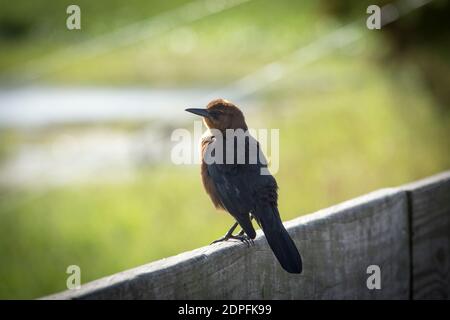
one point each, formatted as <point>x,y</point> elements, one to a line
<point>228,235</point>
<point>244,238</point>
<point>224,238</point>
<point>241,237</point>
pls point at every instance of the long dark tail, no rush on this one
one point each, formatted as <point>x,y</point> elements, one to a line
<point>279,240</point>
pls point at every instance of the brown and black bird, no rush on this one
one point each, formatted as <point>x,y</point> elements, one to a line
<point>240,188</point>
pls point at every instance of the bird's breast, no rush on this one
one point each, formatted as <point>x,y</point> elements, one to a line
<point>207,181</point>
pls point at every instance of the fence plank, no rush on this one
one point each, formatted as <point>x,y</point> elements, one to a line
<point>337,244</point>
<point>430,206</point>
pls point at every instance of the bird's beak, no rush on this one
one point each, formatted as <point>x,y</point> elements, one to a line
<point>199,112</point>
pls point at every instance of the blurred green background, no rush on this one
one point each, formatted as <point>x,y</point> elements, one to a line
<point>86,118</point>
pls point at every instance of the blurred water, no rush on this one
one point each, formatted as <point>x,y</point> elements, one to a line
<point>51,152</point>
<point>40,106</point>
<point>92,155</point>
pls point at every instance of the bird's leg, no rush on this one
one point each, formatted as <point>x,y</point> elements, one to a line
<point>228,235</point>
<point>241,236</point>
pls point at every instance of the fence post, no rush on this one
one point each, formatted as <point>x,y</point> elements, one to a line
<point>429,205</point>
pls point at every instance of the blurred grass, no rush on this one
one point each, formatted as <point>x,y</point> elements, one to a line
<point>102,229</point>
<point>209,51</point>
<point>347,127</point>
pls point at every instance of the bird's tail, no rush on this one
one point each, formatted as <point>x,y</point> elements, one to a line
<point>279,240</point>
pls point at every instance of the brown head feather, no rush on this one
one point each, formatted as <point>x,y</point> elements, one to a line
<point>224,115</point>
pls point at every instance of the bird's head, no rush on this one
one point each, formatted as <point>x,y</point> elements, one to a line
<point>221,114</point>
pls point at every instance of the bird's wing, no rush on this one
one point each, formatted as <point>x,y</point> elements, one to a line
<point>236,184</point>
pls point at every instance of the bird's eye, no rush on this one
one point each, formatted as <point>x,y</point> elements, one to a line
<point>215,114</point>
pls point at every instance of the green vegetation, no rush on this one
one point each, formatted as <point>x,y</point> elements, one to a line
<point>217,48</point>
<point>347,126</point>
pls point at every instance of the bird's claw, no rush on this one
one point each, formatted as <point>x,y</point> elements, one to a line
<point>245,239</point>
<point>241,237</point>
<point>220,240</point>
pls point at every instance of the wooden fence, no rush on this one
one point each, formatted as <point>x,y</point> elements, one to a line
<point>405,231</point>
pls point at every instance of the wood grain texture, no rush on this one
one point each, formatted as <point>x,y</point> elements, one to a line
<point>337,245</point>
<point>430,230</point>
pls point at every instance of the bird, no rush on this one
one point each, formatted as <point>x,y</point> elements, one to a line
<point>239,187</point>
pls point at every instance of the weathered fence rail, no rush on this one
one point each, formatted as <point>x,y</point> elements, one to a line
<point>405,231</point>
